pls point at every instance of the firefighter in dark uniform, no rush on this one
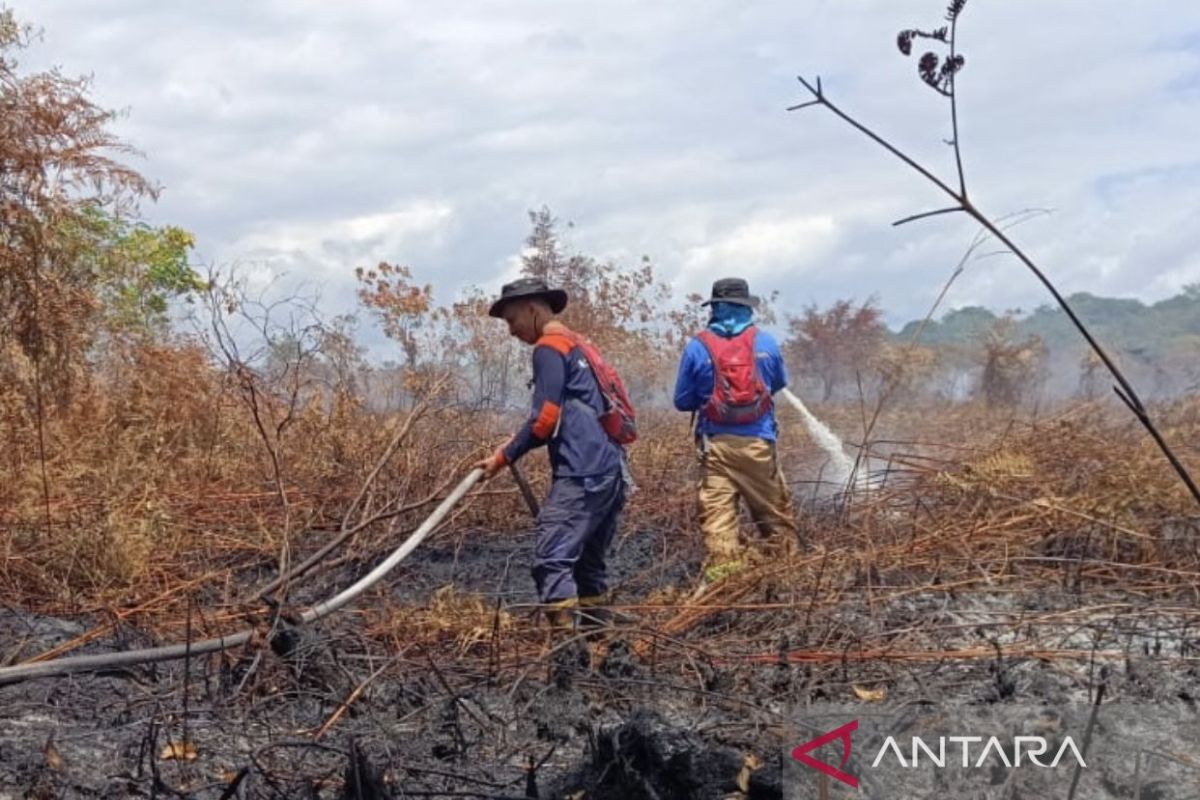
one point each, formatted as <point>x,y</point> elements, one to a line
<point>578,520</point>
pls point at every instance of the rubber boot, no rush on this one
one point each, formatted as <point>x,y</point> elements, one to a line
<point>571,655</point>
<point>560,616</point>
<point>594,613</point>
<point>716,572</point>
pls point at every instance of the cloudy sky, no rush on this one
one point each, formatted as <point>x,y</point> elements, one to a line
<point>303,138</point>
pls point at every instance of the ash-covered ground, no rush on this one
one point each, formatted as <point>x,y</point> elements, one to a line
<point>681,699</point>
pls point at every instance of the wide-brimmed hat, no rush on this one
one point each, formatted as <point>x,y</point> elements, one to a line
<point>526,288</point>
<point>731,290</point>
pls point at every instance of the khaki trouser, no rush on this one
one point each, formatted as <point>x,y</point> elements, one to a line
<point>745,467</point>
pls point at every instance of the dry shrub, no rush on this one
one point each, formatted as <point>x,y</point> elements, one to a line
<point>1010,367</point>
<point>465,620</point>
<point>663,461</point>
<point>1001,468</point>
<point>158,473</point>
<point>990,487</point>
<point>121,550</point>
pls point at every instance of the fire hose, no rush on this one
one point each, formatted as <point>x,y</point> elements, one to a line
<point>105,661</point>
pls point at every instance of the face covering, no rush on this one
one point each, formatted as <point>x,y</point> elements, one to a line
<point>730,319</point>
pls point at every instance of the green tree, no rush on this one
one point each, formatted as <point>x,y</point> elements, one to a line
<point>138,269</point>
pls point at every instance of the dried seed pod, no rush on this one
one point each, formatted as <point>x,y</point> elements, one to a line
<point>928,68</point>
<point>949,67</point>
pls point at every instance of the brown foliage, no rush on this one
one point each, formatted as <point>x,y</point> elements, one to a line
<point>57,164</point>
<point>619,309</point>
<point>834,344</point>
<point>491,360</point>
<point>402,306</point>
<point>907,369</point>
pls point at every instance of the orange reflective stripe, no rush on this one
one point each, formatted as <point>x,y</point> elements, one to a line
<point>547,418</point>
<point>557,342</point>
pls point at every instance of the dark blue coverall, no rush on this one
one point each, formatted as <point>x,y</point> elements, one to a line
<point>578,520</point>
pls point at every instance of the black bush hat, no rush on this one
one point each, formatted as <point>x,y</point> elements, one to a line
<point>525,288</point>
<point>731,290</point>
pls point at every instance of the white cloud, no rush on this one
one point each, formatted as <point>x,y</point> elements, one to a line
<point>334,244</point>
<point>300,132</point>
<point>763,250</point>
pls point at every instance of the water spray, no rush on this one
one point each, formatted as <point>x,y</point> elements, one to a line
<point>841,464</point>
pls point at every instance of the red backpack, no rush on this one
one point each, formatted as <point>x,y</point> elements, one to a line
<point>618,420</point>
<point>739,395</point>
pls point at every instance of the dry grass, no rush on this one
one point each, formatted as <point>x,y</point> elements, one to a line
<point>463,621</point>
<point>159,479</point>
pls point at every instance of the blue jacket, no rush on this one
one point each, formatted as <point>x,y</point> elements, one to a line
<point>565,414</point>
<point>694,384</point>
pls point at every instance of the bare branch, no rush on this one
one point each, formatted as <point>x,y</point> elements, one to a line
<point>926,215</point>
<point>804,105</point>
<point>879,140</point>
<point>955,65</point>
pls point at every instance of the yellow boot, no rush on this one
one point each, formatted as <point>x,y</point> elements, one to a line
<point>569,654</point>
<point>560,616</point>
<point>594,612</point>
<point>717,571</point>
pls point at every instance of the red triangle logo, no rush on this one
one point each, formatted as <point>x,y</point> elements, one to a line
<point>801,753</point>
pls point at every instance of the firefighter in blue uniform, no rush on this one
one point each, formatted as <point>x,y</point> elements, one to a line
<point>727,376</point>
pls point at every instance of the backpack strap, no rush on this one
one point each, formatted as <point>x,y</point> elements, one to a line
<point>758,367</point>
<point>563,343</point>
<point>560,343</point>
<point>705,337</point>
<point>754,357</point>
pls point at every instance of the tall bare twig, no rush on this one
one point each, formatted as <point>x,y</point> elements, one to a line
<point>942,79</point>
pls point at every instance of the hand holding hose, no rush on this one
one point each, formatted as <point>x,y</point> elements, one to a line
<point>493,463</point>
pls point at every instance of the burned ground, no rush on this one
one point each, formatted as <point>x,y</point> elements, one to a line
<point>1030,572</point>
